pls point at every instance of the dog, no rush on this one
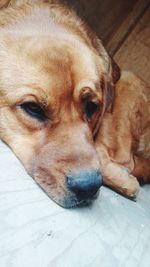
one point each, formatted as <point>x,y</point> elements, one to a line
<point>60,105</point>
<point>123,140</point>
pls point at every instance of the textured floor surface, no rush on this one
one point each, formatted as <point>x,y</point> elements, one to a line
<point>35,232</point>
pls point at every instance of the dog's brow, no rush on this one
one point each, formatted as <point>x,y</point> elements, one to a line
<point>24,91</point>
<point>88,93</point>
<point>85,88</point>
<point>39,92</point>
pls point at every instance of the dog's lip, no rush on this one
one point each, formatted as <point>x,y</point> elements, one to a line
<point>76,202</point>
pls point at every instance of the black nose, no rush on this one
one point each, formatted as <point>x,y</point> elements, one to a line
<point>84,184</point>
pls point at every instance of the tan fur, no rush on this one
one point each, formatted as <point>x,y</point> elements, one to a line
<point>50,57</point>
<point>47,57</point>
<point>123,140</point>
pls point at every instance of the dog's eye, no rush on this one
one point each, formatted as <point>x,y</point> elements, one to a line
<point>34,110</point>
<point>90,109</point>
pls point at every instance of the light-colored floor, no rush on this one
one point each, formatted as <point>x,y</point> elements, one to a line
<point>35,232</point>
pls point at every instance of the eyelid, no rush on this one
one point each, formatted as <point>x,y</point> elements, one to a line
<point>26,99</point>
<point>32,102</point>
<point>34,114</point>
<point>95,100</point>
<point>88,95</point>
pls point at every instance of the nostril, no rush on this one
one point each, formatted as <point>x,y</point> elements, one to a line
<point>85,183</point>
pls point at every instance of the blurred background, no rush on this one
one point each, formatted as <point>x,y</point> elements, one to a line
<point>124,28</point>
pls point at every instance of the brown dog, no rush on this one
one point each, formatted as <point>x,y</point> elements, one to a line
<point>56,87</point>
<point>123,141</point>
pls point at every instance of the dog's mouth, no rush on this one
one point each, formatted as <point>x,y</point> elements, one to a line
<point>70,200</point>
<point>77,190</point>
<point>75,202</point>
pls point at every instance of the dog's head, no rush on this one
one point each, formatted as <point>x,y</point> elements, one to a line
<point>56,82</point>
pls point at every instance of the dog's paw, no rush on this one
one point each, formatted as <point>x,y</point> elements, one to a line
<point>131,188</point>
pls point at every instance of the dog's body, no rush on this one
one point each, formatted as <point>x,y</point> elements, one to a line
<point>123,141</point>
<point>57,112</point>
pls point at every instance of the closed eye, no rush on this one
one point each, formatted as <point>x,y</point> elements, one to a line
<point>34,110</point>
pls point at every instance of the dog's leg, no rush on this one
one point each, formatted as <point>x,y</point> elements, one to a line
<point>142,169</point>
<point>117,176</point>
<point>123,155</point>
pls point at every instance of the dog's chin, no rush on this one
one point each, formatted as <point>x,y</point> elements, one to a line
<point>74,202</point>
<point>66,199</point>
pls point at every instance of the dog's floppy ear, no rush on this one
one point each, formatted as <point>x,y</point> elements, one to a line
<point>108,81</point>
<point>115,71</point>
<point>109,71</point>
